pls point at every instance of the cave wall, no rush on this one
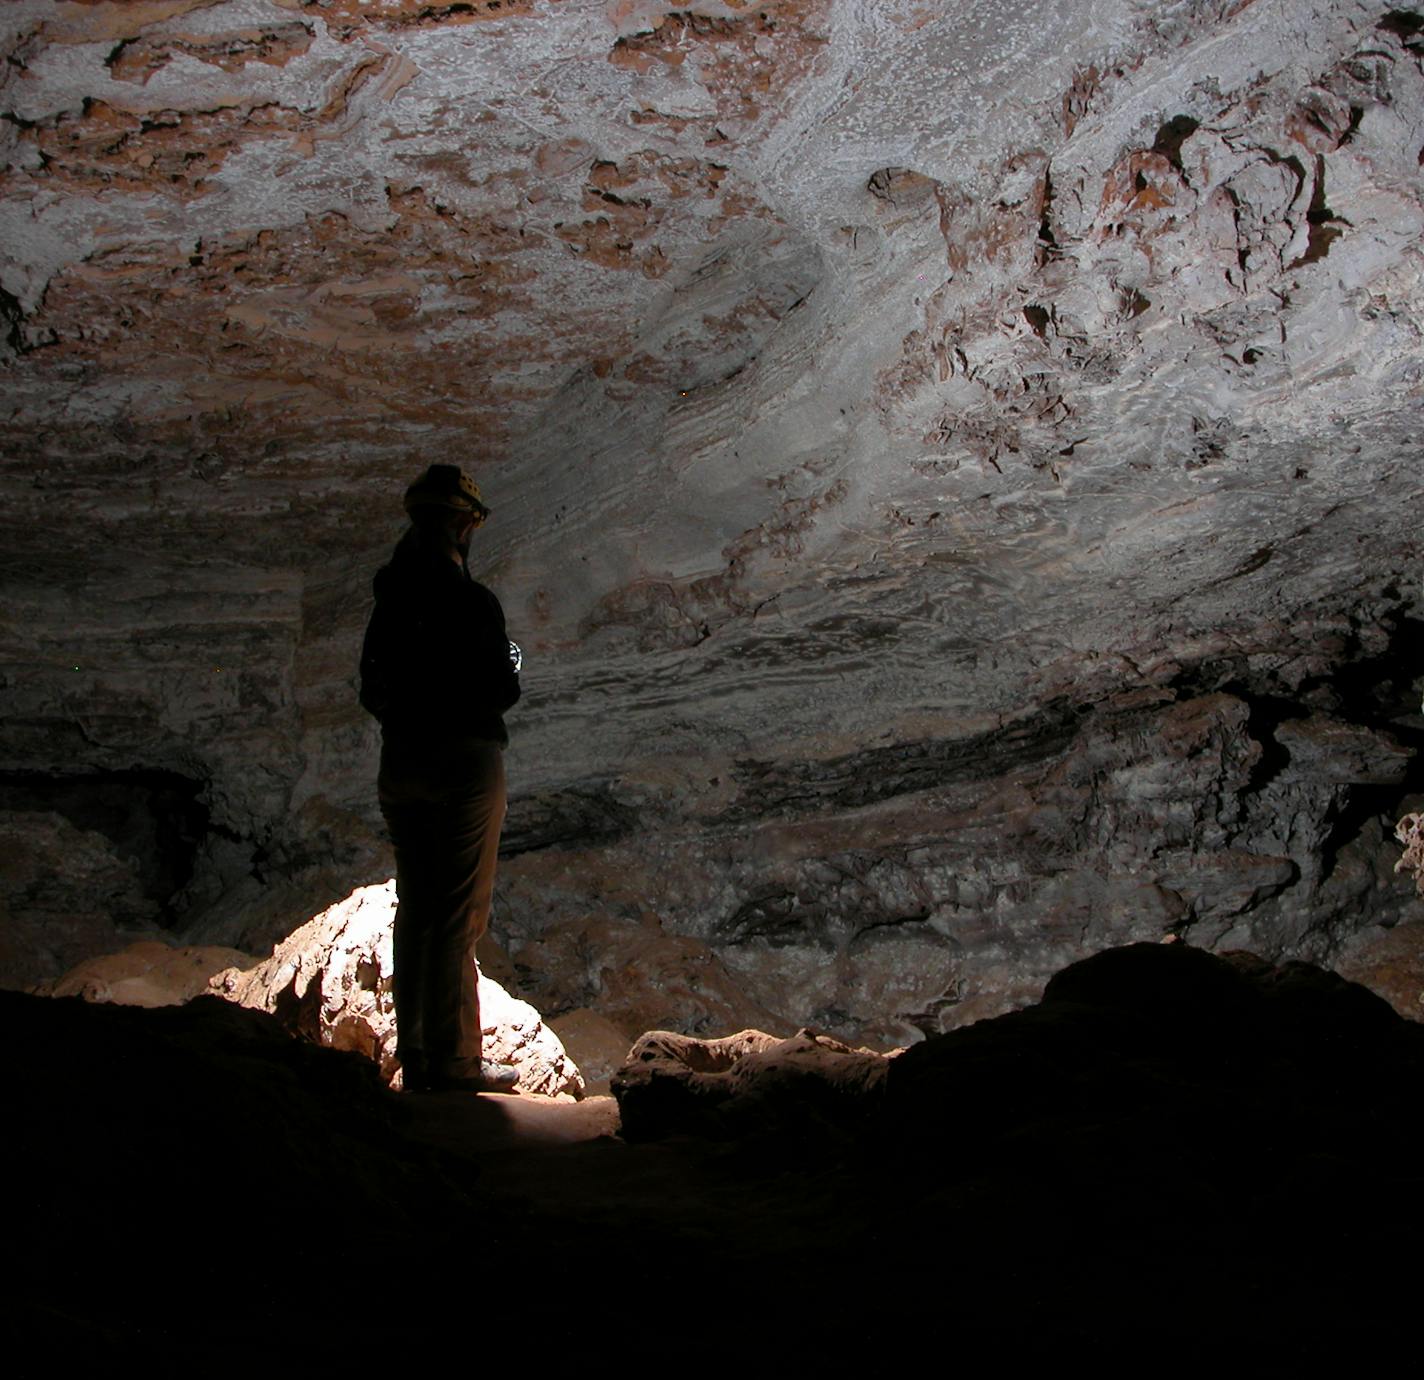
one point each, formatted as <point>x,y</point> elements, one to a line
<point>954,469</point>
<point>910,888</point>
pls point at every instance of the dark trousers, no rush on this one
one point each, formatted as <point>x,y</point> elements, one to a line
<point>444,807</point>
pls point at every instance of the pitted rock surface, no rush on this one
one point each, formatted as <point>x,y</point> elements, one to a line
<point>954,468</point>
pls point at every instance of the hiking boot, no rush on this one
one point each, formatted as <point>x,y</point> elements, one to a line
<point>414,1075</point>
<point>493,1078</point>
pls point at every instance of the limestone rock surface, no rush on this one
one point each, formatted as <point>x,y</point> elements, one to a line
<point>1410,832</point>
<point>750,1083</point>
<point>954,467</point>
<point>595,1044</point>
<point>1390,962</point>
<point>330,981</point>
<point>149,973</point>
<point>65,895</point>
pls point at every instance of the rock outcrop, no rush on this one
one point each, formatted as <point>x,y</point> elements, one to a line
<point>746,1084</point>
<point>148,973</point>
<point>893,893</point>
<point>330,981</point>
<point>1410,832</point>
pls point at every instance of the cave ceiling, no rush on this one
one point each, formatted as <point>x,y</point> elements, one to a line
<point>841,372</point>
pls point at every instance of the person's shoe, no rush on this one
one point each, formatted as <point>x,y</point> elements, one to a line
<point>493,1078</point>
<point>414,1077</point>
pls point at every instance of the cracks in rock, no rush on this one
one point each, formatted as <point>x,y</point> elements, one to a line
<point>880,774</point>
<point>1385,685</point>
<point>577,817</point>
<point>136,59</point>
<point>1324,226</point>
<point>1046,250</point>
<point>1265,714</point>
<point>1369,692</point>
<point>1407,26</point>
<point>785,916</point>
<point>1377,691</point>
<point>19,339</point>
<point>1258,826</point>
<point>347,18</point>
<point>887,922</point>
<point>1171,136</point>
<point>775,917</point>
<point>928,1020</point>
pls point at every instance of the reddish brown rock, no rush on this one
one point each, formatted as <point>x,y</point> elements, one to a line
<point>1391,963</point>
<point>149,973</point>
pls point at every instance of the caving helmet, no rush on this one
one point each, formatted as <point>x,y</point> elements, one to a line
<point>443,486</point>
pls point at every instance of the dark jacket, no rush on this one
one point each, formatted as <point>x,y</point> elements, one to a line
<point>435,665</point>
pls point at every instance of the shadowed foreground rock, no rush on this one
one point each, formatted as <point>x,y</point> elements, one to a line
<point>744,1083</point>
<point>1171,1154</point>
<point>194,1173</point>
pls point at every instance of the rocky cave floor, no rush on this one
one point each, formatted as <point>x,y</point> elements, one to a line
<point>1173,1154</point>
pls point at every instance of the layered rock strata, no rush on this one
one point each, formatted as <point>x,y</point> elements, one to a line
<point>954,472</point>
<point>909,889</point>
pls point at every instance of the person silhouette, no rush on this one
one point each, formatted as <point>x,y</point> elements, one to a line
<point>438,671</point>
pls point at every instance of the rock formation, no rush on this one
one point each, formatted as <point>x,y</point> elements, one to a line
<point>1410,832</point>
<point>954,469</point>
<point>148,973</point>
<point>330,981</point>
<point>748,1083</point>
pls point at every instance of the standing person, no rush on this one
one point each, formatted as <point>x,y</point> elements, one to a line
<point>438,671</point>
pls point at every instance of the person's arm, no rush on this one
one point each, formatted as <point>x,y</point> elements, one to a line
<point>491,664</point>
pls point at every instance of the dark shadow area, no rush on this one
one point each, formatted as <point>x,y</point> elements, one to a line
<point>155,820</point>
<point>577,816</point>
<point>1171,1154</point>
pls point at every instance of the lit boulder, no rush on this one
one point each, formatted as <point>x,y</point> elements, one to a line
<point>330,981</point>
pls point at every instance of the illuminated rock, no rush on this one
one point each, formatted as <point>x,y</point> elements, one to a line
<point>330,981</point>
<point>149,973</point>
<point>748,1083</point>
<point>1410,832</point>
